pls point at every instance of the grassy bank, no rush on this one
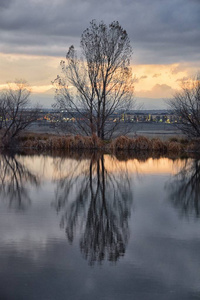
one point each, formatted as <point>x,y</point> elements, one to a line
<point>43,142</point>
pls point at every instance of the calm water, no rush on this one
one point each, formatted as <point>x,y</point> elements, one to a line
<point>95,227</point>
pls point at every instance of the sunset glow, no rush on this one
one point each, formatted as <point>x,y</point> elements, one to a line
<point>165,41</point>
<point>57,168</point>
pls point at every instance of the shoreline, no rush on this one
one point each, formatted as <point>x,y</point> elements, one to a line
<point>49,142</point>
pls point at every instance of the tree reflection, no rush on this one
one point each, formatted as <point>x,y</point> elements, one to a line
<point>98,203</point>
<point>185,188</point>
<point>14,176</point>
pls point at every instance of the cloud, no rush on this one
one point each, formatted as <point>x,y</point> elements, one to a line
<point>137,79</point>
<point>176,69</point>
<point>190,68</point>
<point>160,31</point>
<point>156,75</point>
<point>37,70</point>
<point>183,79</point>
<point>4,4</point>
<point>158,91</point>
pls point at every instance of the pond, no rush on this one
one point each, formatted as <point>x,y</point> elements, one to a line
<point>97,226</point>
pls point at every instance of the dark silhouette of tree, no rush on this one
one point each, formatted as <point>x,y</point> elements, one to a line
<point>14,102</point>
<point>100,209</point>
<point>101,83</point>
<point>185,188</point>
<point>186,106</point>
<point>14,176</point>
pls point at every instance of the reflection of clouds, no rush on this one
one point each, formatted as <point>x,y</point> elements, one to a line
<point>97,202</point>
<point>48,167</point>
<point>161,261</point>
<point>163,247</point>
<point>185,188</point>
<point>162,255</point>
<point>29,232</point>
<point>167,263</point>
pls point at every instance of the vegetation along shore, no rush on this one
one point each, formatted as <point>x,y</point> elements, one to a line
<point>45,142</point>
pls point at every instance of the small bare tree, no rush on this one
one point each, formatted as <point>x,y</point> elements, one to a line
<point>186,105</point>
<point>99,84</point>
<point>15,113</point>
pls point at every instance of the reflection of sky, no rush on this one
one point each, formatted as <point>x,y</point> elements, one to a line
<point>161,260</point>
<point>49,167</point>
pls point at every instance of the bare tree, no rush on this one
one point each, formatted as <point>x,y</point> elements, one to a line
<point>186,105</point>
<point>15,113</point>
<point>99,84</point>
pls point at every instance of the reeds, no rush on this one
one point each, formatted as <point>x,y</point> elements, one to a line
<point>140,143</point>
<point>194,145</point>
<point>61,142</point>
<point>43,142</point>
<point>174,147</point>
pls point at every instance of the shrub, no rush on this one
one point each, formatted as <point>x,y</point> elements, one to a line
<point>142,143</point>
<point>174,147</point>
<point>173,139</point>
<point>184,141</point>
<point>194,145</point>
<point>158,145</point>
<point>120,143</point>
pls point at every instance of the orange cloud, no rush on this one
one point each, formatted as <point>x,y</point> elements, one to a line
<point>158,91</point>
<point>39,71</point>
<point>156,75</point>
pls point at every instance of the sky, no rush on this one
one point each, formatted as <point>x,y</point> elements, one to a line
<point>165,35</point>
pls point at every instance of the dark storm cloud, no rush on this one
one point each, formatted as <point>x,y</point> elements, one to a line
<point>5,4</point>
<point>160,31</point>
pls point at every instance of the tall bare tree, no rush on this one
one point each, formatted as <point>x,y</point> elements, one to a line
<point>15,113</point>
<point>186,105</point>
<point>100,83</point>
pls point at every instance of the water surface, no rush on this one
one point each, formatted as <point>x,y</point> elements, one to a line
<point>99,227</point>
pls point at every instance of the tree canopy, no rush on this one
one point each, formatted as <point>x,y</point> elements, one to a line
<point>14,102</point>
<point>186,105</point>
<point>100,83</point>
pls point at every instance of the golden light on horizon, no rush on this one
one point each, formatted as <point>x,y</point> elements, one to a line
<point>53,169</point>
<point>135,166</point>
<point>153,81</point>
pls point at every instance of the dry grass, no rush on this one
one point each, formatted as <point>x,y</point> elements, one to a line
<point>60,142</point>
<point>143,143</point>
<point>140,143</point>
<point>120,143</point>
<point>46,142</point>
<point>158,145</point>
<point>174,147</point>
<point>194,145</point>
